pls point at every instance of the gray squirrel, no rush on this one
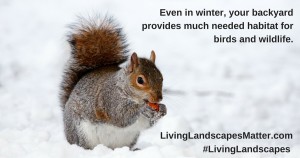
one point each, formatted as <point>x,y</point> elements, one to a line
<point>102,102</point>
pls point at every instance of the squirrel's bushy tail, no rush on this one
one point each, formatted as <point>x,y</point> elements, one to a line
<point>95,42</point>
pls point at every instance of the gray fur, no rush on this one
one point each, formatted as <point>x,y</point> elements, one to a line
<point>101,102</point>
<point>109,89</point>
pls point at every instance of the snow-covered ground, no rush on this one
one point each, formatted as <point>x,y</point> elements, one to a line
<point>209,87</point>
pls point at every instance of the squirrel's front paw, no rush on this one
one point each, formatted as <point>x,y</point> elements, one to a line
<point>162,109</point>
<point>154,115</point>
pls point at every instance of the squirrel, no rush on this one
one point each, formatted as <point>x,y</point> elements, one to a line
<point>103,102</point>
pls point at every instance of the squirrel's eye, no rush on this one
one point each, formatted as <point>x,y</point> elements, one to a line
<point>140,80</point>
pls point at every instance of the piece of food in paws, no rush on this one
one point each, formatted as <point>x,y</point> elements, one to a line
<point>154,106</point>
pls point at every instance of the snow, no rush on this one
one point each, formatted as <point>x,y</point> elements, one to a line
<point>212,87</point>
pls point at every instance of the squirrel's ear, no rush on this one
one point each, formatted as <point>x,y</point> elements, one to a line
<point>152,56</point>
<point>134,62</point>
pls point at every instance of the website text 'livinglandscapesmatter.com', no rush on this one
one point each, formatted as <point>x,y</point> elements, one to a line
<point>230,136</point>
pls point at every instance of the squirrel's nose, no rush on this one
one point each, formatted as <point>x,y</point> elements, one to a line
<point>156,97</point>
<point>160,97</point>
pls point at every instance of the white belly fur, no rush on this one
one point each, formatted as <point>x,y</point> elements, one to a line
<point>112,136</point>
